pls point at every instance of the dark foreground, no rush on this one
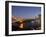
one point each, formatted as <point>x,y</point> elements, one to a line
<point>26,26</point>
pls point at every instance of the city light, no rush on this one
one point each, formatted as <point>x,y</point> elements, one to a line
<point>21,25</point>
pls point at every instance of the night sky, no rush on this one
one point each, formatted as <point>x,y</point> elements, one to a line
<point>25,11</point>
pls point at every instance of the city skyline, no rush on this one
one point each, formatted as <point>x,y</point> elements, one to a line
<point>26,12</point>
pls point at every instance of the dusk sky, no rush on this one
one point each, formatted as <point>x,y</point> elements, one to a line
<point>25,11</point>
